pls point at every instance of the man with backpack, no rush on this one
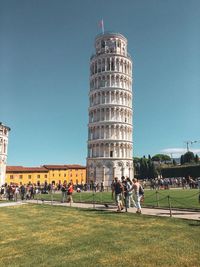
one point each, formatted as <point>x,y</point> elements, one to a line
<point>138,194</point>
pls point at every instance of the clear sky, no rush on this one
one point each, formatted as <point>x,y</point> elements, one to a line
<point>45,48</point>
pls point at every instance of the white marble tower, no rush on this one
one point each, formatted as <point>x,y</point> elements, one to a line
<point>4,131</point>
<point>110,129</point>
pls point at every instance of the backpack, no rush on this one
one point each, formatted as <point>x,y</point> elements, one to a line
<point>141,190</point>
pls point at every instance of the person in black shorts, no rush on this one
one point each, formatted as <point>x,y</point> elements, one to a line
<point>117,188</point>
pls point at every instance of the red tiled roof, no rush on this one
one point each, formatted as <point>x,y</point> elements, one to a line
<point>13,168</point>
<point>25,169</point>
<point>43,168</point>
<point>75,166</point>
<point>55,167</point>
<point>64,167</point>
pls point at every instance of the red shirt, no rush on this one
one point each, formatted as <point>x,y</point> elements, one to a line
<point>70,189</point>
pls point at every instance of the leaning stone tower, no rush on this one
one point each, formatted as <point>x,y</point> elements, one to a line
<point>110,146</point>
<point>4,130</point>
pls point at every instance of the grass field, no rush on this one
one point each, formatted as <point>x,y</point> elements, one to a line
<point>43,235</point>
<point>179,198</point>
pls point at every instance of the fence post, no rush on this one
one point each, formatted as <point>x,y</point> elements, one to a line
<point>93,199</point>
<point>157,198</point>
<point>51,197</point>
<point>170,207</point>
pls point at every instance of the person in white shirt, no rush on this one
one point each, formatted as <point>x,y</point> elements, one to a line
<point>137,194</point>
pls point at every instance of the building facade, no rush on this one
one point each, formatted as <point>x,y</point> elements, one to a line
<point>4,132</point>
<point>46,173</point>
<point>110,129</point>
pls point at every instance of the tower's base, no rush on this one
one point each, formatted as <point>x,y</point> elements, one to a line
<point>104,170</point>
<point>2,172</point>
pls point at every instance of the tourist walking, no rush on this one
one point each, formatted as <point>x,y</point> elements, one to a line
<point>16,193</point>
<point>130,202</point>
<point>118,189</point>
<point>69,192</point>
<point>138,194</point>
<point>22,191</point>
<point>1,192</point>
<point>64,192</point>
<point>127,193</point>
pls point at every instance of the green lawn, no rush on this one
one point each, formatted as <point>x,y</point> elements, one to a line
<point>43,235</point>
<point>179,198</point>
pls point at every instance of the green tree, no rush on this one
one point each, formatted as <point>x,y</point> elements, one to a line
<point>136,163</point>
<point>161,158</point>
<point>136,160</point>
<point>196,159</point>
<point>152,172</point>
<point>188,157</point>
<point>182,159</point>
<point>144,169</point>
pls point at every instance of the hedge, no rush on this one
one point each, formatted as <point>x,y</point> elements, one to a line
<point>181,171</point>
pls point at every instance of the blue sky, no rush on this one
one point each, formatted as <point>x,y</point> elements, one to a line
<point>45,48</point>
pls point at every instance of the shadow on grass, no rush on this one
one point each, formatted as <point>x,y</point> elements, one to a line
<point>196,223</point>
<point>102,211</point>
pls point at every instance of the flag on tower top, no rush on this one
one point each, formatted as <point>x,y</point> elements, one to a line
<point>101,25</point>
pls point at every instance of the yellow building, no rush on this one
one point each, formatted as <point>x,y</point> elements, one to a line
<point>46,173</point>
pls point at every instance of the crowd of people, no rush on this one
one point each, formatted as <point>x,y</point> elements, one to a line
<point>178,182</point>
<point>29,191</point>
<point>127,193</point>
<point>15,192</point>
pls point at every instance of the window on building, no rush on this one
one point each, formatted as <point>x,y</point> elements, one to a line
<point>29,177</point>
<point>118,43</point>
<point>45,176</point>
<point>38,176</point>
<point>21,176</point>
<point>4,147</point>
<point>65,175</point>
<point>11,177</point>
<point>111,154</point>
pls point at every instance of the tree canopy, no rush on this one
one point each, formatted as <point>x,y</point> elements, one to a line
<point>161,157</point>
<point>188,157</point>
<point>145,168</point>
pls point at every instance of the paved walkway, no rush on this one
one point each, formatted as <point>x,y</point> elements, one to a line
<point>190,215</point>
